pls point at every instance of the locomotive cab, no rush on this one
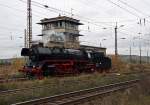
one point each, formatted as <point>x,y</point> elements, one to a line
<point>100,60</point>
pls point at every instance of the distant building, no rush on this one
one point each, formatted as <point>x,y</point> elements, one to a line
<point>99,49</point>
<point>63,31</point>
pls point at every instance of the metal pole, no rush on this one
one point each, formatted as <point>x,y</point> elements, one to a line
<point>25,43</point>
<point>25,38</point>
<point>116,50</point>
<point>130,55</point>
<point>148,53</point>
<point>147,57</point>
<point>100,44</point>
<point>140,54</point>
<point>140,47</point>
<point>29,23</point>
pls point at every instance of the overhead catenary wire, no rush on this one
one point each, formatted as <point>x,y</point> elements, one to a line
<point>128,10</point>
<point>52,9</point>
<point>89,21</point>
<point>21,11</point>
<point>124,9</point>
<point>57,10</point>
<point>45,6</point>
<point>96,6</point>
<point>144,14</point>
<point>133,8</point>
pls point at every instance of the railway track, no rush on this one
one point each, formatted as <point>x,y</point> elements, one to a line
<point>15,91</point>
<point>80,96</point>
<point>2,80</point>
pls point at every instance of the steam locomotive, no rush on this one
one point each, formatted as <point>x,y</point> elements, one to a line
<point>44,61</point>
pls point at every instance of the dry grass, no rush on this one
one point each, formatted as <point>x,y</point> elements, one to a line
<point>119,66</point>
<point>9,70</point>
<point>57,86</point>
<point>117,63</point>
<point>139,95</point>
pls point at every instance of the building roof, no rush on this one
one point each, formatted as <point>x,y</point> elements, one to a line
<point>94,47</point>
<point>36,41</point>
<point>60,18</point>
<point>66,33</point>
<point>74,34</point>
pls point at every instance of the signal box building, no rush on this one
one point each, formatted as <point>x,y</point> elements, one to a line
<point>63,31</point>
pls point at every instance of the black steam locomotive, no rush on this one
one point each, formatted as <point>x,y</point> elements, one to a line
<point>44,61</point>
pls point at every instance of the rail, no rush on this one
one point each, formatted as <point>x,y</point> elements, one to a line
<point>15,91</point>
<point>81,95</point>
<point>12,80</point>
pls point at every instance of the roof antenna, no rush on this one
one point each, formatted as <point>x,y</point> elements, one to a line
<point>71,12</point>
<point>88,27</point>
<point>59,15</point>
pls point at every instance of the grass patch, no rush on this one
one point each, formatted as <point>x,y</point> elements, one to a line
<point>57,85</point>
<point>138,95</point>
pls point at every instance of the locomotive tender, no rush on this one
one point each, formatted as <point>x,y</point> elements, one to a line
<point>45,61</point>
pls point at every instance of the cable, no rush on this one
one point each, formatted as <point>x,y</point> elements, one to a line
<point>123,9</point>
<point>21,11</point>
<point>95,7</point>
<point>52,9</point>
<point>127,33</point>
<point>130,11</point>
<point>104,12</point>
<point>10,28</point>
<point>126,9</point>
<point>132,7</point>
<point>135,9</point>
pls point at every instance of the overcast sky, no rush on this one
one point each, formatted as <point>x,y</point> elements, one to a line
<point>98,16</point>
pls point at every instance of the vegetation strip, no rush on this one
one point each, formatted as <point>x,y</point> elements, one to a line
<point>23,89</point>
<point>102,89</point>
<point>90,97</point>
<point>14,91</point>
<point>12,80</point>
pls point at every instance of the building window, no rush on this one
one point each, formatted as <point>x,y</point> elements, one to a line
<point>55,25</point>
<point>46,27</point>
<point>60,24</point>
<point>63,25</point>
<point>72,38</point>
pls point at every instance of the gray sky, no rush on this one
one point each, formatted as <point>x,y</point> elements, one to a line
<point>95,14</point>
